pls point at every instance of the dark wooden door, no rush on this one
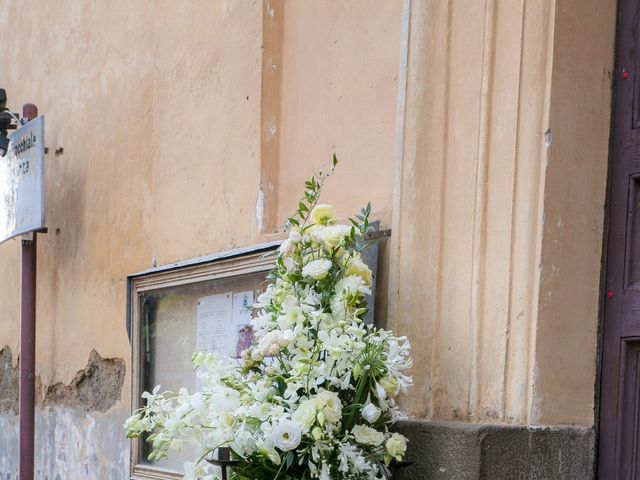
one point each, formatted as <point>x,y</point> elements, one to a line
<point>619,445</point>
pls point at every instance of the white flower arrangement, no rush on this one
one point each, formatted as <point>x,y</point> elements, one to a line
<point>314,396</point>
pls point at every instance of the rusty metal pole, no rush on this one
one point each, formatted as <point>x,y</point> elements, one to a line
<point>28,342</point>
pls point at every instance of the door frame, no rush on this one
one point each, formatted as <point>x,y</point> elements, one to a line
<point>617,71</point>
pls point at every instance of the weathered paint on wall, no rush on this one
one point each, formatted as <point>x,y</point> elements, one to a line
<point>158,108</point>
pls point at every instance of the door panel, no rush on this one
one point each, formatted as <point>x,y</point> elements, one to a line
<point>632,260</point>
<point>628,420</point>
<point>620,389</point>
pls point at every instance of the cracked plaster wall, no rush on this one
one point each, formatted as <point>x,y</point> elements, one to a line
<point>78,430</point>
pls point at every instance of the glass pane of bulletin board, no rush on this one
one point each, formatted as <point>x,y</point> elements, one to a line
<point>212,316</point>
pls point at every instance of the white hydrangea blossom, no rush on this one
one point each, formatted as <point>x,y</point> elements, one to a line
<point>314,396</point>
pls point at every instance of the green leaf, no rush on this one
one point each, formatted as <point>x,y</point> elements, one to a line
<point>335,160</point>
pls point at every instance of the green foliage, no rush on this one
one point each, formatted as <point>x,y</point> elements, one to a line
<point>313,190</point>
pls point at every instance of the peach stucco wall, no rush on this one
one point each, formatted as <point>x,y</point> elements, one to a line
<point>159,108</point>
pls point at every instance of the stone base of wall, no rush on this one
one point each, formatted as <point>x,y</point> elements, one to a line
<point>461,451</point>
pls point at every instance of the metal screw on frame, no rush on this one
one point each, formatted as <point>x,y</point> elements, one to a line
<point>223,461</point>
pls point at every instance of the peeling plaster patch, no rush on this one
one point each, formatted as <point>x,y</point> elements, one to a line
<point>95,388</point>
<point>548,137</point>
<point>74,440</point>
<point>9,383</point>
<point>260,210</point>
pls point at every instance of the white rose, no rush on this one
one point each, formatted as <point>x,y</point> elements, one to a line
<point>330,405</point>
<point>286,435</point>
<point>323,214</point>
<point>305,415</point>
<point>331,236</point>
<point>370,413</point>
<point>357,267</point>
<point>317,269</point>
<point>367,435</point>
<point>396,446</point>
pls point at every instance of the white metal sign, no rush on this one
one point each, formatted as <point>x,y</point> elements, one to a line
<point>22,181</point>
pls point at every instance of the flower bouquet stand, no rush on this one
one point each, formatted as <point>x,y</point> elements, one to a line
<point>314,396</point>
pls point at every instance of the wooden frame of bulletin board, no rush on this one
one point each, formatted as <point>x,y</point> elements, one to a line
<point>222,266</point>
